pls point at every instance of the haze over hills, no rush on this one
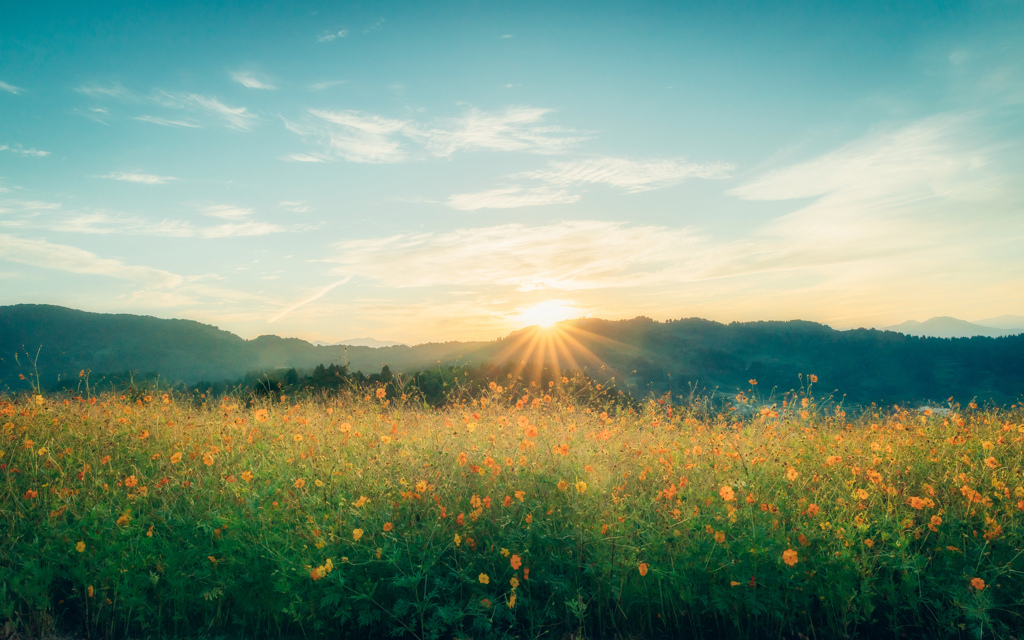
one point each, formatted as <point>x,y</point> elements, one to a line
<point>642,355</point>
<point>947,327</point>
<point>359,342</point>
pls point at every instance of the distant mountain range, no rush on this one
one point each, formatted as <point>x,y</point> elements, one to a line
<point>643,356</point>
<point>359,342</point>
<point>947,327</point>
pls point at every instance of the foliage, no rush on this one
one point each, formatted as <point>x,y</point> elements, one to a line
<point>529,511</point>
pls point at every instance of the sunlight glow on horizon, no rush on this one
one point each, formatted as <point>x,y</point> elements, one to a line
<point>545,314</point>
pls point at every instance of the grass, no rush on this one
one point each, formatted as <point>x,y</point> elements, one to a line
<point>527,513</point>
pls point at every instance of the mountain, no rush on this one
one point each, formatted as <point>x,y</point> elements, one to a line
<point>643,356</point>
<point>947,327</point>
<point>360,342</point>
<point>1013,324</point>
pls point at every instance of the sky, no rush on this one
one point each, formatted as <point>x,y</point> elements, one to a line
<point>436,171</point>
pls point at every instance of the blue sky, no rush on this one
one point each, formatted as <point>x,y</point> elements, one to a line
<point>452,171</point>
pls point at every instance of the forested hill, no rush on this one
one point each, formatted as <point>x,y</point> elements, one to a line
<point>643,355</point>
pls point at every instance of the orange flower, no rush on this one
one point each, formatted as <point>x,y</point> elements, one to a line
<point>516,562</point>
<point>752,382</point>
<point>381,392</point>
<point>934,523</point>
<point>526,573</point>
<point>978,583</point>
<point>869,542</point>
<point>791,474</point>
<point>812,509</point>
<point>123,520</point>
<point>462,459</point>
<point>104,459</point>
<point>298,484</point>
<point>207,459</point>
<point>30,494</point>
<point>529,518</point>
<point>789,556</point>
<point>507,502</point>
<point>991,462</point>
<point>727,493</point>
<point>260,415</point>
<point>388,526</point>
<point>643,568</point>
<point>130,481</point>
<point>813,378</point>
<point>176,458</point>
<point>247,476</point>
<point>719,537</point>
<point>562,485</point>
<point>520,495</point>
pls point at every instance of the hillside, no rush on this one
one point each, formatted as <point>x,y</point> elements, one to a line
<point>643,356</point>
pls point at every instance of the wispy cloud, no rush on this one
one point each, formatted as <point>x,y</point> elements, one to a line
<point>569,255</point>
<point>295,206</point>
<point>203,106</point>
<point>327,84</point>
<point>164,122</point>
<point>629,174</point>
<point>509,198</point>
<point>138,177</point>
<point>328,36</point>
<point>10,88</point>
<point>370,138</point>
<point>20,150</point>
<point>248,79</point>
<point>227,212</point>
<point>235,117</point>
<point>319,293</point>
<point>62,257</point>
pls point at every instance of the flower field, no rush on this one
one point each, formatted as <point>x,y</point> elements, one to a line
<point>529,512</point>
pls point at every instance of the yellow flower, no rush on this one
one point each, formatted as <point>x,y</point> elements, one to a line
<point>385,439</point>
<point>789,556</point>
<point>483,579</point>
<point>504,552</point>
<point>318,482</point>
<point>458,540</point>
<point>80,547</point>
<point>514,582</point>
<point>581,486</point>
<point>297,437</point>
<point>356,534</point>
<point>122,521</point>
<point>512,600</point>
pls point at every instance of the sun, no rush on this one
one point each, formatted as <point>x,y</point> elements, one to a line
<point>547,313</point>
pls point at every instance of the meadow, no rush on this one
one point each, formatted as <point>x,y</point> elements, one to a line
<point>554,510</point>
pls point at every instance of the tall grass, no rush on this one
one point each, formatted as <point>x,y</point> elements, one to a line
<point>526,513</point>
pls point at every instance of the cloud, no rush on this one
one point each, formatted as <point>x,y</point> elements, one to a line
<point>369,138</point>
<point>514,129</point>
<point>20,150</point>
<point>569,255</point>
<point>10,88</point>
<point>509,198</point>
<point>629,174</point>
<point>247,79</point>
<point>164,122</point>
<point>115,91</point>
<point>138,177</point>
<point>47,255</point>
<point>235,117</point>
<point>209,107</point>
<point>320,86</point>
<point>295,206</point>
<point>311,298</point>
<point>227,212</point>
<point>329,36</point>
